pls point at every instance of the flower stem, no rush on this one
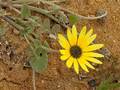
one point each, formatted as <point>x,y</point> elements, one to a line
<point>49,49</point>
<point>33,80</point>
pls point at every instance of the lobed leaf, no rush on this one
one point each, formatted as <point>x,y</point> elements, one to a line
<point>39,62</point>
<point>39,59</point>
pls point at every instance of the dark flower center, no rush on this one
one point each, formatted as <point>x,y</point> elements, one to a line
<point>75,51</point>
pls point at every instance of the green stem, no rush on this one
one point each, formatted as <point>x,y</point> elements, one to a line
<point>45,48</point>
<point>28,42</point>
<point>49,49</point>
<point>11,22</point>
<point>42,11</point>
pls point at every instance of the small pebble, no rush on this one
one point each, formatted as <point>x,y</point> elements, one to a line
<point>115,81</point>
<point>105,52</point>
<point>99,13</point>
<point>58,86</point>
<point>27,64</point>
<point>6,42</point>
<point>0,43</point>
<point>42,81</point>
<point>16,32</point>
<point>81,77</point>
<point>114,41</point>
<point>92,83</point>
<point>52,36</point>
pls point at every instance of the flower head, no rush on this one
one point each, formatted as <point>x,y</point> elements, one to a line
<point>77,50</point>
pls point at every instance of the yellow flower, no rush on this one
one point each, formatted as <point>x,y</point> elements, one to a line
<point>78,50</point>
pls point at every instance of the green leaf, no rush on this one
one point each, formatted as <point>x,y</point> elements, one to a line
<point>108,85</point>
<point>37,20</point>
<point>39,59</point>
<point>39,62</point>
<point>54,10</point>
<point>21,22</point>
<point>25,11</point>
<point>114,85</point>
<point>104,85</point>
<point>73,19</point>
<point>37,43</point>
<point>27,30</point>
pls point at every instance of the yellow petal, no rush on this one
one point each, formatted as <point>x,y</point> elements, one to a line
<point>84,40</point>
<point>69,62</point>
<point>94,60</point>
<point>63,41</point>
<point>74,32</point>
<point>70,36</point>
<point>92,54</point>
<point>82,64</point>
<point>82,43</point>
<point>64,57</point>
<point>90,39</point>
<point>89,65</point>
<point>76,67</point>
<point>93,47</point>
<point>81,39</point>
<point>82,34</point>
<point>89,33</point>
<point>64,51</point>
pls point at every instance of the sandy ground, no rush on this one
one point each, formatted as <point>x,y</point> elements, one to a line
<point>13,76</point>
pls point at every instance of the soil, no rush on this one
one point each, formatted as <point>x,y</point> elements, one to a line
<point>13,76</point>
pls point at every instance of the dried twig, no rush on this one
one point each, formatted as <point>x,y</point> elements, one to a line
<point>33,80</point>
<point>57,1</point>
<point>24,1</point>
<point>71,12</point>
<point>46,12</point>
<point>68,11</point>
